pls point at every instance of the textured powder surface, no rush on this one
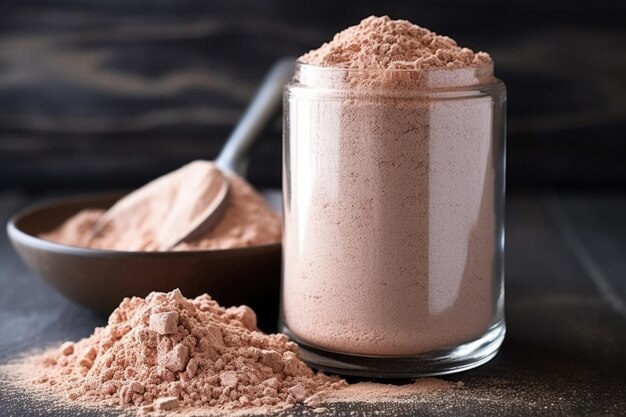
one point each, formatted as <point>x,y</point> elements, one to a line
<point>166,352</point>
<point>382,43</point>
<point>390,221</point>
<point>248,220</point>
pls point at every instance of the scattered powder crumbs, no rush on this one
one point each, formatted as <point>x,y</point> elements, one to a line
<point>167,354</point>
<point>382,43</point>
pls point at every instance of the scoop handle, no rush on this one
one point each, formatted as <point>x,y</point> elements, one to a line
<point>256,116</point>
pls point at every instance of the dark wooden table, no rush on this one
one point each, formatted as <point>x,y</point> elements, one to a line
<point>565,350</point>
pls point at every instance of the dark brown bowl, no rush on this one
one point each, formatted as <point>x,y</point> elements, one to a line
<point>100,279</point>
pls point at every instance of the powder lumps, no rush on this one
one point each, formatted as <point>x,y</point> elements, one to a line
<point>383,43</point>
<point>167,352</point>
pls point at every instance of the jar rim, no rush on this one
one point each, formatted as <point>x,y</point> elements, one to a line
<point>394,79</point>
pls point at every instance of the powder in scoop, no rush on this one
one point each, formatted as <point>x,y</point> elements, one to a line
<point>166,352</point>
<point>248,220</point>
<point>382,43</point>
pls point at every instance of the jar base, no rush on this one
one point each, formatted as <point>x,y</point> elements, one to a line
<point>440,362</point>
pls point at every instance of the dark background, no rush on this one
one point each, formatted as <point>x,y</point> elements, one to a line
<point>110,93</point>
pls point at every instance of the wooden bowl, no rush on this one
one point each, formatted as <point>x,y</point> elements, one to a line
<point>100,279</point>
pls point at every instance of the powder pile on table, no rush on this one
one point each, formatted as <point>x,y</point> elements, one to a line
<point>168,352</point>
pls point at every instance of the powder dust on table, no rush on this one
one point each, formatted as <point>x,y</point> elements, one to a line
<point>376,393</point>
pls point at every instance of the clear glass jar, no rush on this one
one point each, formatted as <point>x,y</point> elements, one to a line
<point>393,203</point>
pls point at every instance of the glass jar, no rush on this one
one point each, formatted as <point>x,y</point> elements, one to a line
<point>393,230</point>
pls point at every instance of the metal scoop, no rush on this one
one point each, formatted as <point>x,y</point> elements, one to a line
<point>190,200</point>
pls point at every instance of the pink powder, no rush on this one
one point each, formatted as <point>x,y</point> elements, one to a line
<point>169,354</point>
<point>248,220</point>
<point>382,43</point>
<point>166,352</point>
